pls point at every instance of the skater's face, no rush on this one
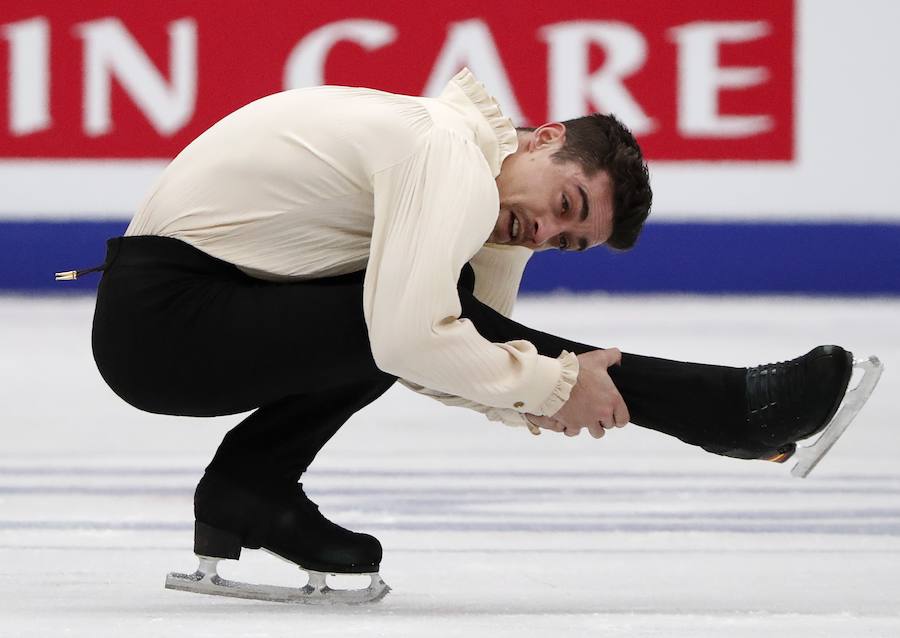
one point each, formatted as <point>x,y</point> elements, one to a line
<point>548,203</point>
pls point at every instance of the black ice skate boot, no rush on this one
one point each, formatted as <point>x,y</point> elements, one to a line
<point>282,520</point>
<point>792,400</point>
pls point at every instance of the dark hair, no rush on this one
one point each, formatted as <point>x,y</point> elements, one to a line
<point>602,143</point>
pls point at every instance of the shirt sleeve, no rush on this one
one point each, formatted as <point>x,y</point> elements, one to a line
<point>509,417</point>
<point>433,212</point>
<point>498,274</point>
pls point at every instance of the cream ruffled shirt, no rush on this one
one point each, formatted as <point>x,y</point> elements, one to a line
<point>328,180</point>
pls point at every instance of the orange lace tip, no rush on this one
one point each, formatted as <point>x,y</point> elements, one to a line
<point>780,457</point>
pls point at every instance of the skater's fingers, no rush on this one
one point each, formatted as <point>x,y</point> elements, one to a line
<point>614,356</point>
<point>597,430</point>
<point>545,422</point>
<point>621,416</point>
<point>555,426</point>
<point>572,430</point>
<point>607,414</point>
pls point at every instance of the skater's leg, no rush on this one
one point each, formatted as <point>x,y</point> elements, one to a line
<point>250,491</point>
<point>179,332</point>
<point>703,405</point>
<point>277,442</point>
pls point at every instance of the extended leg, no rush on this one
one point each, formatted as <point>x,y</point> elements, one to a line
<point>726,410</point>
<point>700,404</point>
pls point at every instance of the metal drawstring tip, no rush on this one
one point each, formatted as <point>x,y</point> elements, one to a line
<point>70,275</point>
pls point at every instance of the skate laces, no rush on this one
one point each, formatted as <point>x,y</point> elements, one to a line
<point>773,390</point>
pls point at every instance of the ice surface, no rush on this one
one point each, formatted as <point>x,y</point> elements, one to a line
<point>488,531</point>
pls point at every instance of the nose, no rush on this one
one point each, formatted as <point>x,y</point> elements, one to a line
<point>546,229</point>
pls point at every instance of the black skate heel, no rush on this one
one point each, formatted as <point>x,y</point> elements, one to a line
<point>216,543</point>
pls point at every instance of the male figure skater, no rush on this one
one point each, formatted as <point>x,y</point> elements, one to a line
<point>315,246</point>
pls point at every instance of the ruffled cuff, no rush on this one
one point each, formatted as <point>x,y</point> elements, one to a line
<point>567,378</point>
<point>506,416</point>
<point>512,419</point>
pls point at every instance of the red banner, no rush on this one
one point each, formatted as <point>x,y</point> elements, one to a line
<point>696,79</point>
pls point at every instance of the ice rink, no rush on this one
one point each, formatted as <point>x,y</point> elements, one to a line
<point>487,530</point>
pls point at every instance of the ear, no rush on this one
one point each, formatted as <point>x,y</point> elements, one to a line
<point>550,134</point>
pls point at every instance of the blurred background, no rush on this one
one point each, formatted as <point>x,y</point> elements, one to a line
<point>771,126</point>
<point>771,129</point>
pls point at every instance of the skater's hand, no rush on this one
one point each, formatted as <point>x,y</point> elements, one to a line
<point>594,403</point>
<point>549,423</point>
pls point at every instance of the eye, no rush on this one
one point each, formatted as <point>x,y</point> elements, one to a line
<point>565,205</point>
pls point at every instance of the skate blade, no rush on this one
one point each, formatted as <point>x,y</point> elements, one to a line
<point>809,456</point>
<point>316,592</point>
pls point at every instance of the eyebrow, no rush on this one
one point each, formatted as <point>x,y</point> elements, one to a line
<point>585,211</point>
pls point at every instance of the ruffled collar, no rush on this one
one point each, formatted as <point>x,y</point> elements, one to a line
<point>495,133</point>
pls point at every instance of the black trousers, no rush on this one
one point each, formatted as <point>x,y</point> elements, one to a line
<point>179,332</point>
